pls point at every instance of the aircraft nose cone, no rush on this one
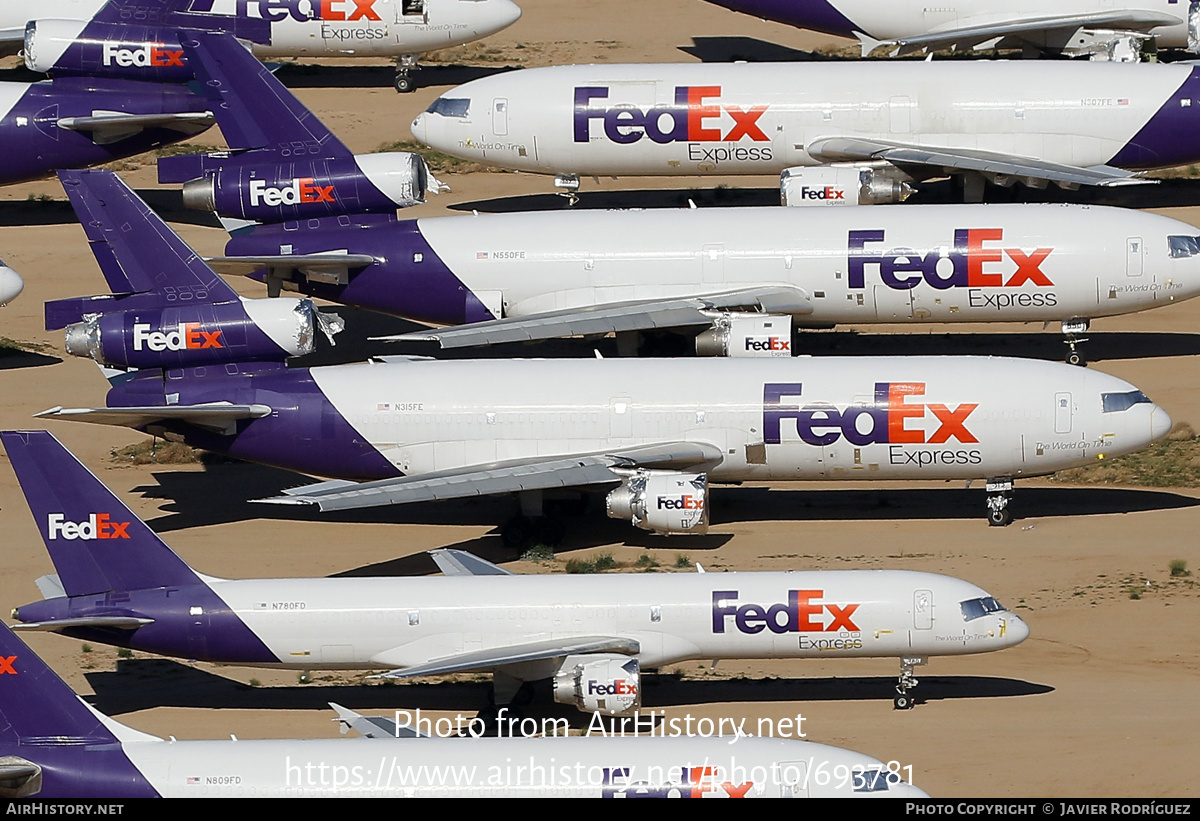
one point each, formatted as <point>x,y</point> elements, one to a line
<point>1016,630</point>
<point>418,128</point>
<point>11,284</point>
<point>507,13</point>
<point>1160,424</point>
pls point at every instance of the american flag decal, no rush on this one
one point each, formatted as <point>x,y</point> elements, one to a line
<point>481,254</point>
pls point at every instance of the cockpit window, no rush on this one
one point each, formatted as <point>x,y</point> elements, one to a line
<point>1184,247</point>
<point>450,107</point>
<point>871,781</point>
<point>1115,402</point>
<point>978,608</point>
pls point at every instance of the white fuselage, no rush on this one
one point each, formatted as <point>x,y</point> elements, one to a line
<point>759,118</point>
<point>885,264</point>
<point>396,623</point>
<point>375,28</point>
<point>853,417</point>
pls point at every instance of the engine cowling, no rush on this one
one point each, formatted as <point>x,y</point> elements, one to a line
<point>275,192</point>
<point>258,330</point>
<point>608,684</point>
<point>735,334</point>
<point>662,501</point>
<point>854,184</point>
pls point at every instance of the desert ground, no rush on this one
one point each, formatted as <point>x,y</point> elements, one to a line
<point>1098,702</point>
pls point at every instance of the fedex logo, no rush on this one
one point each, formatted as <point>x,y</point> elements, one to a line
<point>6,665</point>
<point>695,782</point>
<point>273,11</point>
<point>885,421</point>
<point>971,263</point>
<point>799,615</point>
<point>142,56</point>
<point>691,119</point>
<point>301,190</point>
<point>617,688</point>
<point>778,345</point>
<point>826,193</point>
<point>685,502</point>
<point>186,337</point>
<point>97,526</point>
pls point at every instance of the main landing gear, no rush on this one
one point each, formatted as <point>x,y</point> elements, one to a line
<point>568,185</point>
<point>405,65</point>
<point>904,700</point>
<point>1072,328</point>
<point>999,494</point>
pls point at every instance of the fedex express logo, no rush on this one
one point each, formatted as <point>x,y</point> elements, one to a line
<point>971,263</point>
<point>884,422</point>
<point>155,56</point>
<point>621,687</point>
<point>273,11</point>
<point>187,336</point>
<point>691,119</point>
<point>97,526</point>
<point>694,782</point>
<point>301,190</point>
<point>799,615</point>
<point>685,502</point>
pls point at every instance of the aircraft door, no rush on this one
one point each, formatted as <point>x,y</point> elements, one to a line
<point>620,417</point>
<point>923,610</point>
<point>500,117</point>
<point>892,303</point>
<point>1134,251</point>
<point>1064,411</point>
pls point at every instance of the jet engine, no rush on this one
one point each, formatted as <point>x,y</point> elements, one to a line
<point>734,334</point>
<point>854,184</point>
<point>306,188</point>
<point>608,684</point>
<point>662,501</point>
<point>206,334</point>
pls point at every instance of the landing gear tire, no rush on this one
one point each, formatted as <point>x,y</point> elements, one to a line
<point>1000,518</point>
<point>404,84</point>
<point>1076,358</point>
<point>902,701</point>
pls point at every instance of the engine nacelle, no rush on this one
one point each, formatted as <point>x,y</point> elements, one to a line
<point>274,192</point>
<point>747,335</point>
<point>608,684</point>
<point>257,330</point>
<point>843,185</point>
<point>662,501</point>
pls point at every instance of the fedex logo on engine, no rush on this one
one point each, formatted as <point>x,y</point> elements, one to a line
<point>97,526</point>
<point>301,190</point>
<point>800,614</point>
<point>142,56</point>
<point>826,193</point>
<point>273,11</point>
<point>776,345</point>
<point>970,263</point>
<point>886,421</point>
<point>187,336</point>
<point>681,502</point>
<point>692,118</point>
<point>621,687</point>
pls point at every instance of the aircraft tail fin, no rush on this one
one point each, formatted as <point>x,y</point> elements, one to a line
<point>97,544</point>
<point>137,252</point>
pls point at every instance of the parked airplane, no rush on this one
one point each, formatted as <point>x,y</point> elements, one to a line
<point>55,745</point>
<point>657,430</point>
<point>1099,29</point>
<point>404,29</point>
<point>118,583</point>
<point>879,125</point>
<point>11,284</point>
<point>737,276</point>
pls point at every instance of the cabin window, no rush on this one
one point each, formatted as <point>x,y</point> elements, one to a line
<point>450,107</point>
<point>1183,246</point>
<point>1116,402</point>
<point>871,781</point>
<point>978,608</point>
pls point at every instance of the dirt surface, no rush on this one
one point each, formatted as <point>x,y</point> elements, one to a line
<point>1097,702</point>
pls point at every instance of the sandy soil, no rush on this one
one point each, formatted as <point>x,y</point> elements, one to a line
<point>1098,702</point>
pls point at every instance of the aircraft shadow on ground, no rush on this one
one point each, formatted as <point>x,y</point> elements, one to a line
<point>736,48</point>
<point>26,213</point>
<point>304,75</point>
<point>13,359</point>
<point>178,684</point>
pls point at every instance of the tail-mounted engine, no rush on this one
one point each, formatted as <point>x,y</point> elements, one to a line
<point>261,330</point>
<point>662,501</point>
<point>243,188</point>
<point>608,684</point>
<point>745,334</point>
<point>854,184</point>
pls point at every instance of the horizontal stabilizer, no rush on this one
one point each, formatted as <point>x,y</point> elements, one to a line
<point>114,622</point>
<point>495,657</point>
<point>461,563</point>
<point>51,586</point>
<point>617,317</point>
<point>323,266</point>
<point>374,726</point>
<point>221,417</point>
<point>111,127</point>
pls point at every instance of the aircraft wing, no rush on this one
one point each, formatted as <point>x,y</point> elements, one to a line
<point>111,127</point>
<point>622,316</point>
<point>373,726</point>
<point>322,266</point>
<point>846,149</point>
<point>221,417</point>
<point>972,35</point>
<point>495,657</point>
<point>501,477</point>
<point>461,563</point>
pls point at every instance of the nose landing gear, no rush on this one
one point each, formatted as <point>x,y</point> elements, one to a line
<point>1000,492</point>
<point>405,65</point>
<point>904,700</point>
<point>1072,328</point>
